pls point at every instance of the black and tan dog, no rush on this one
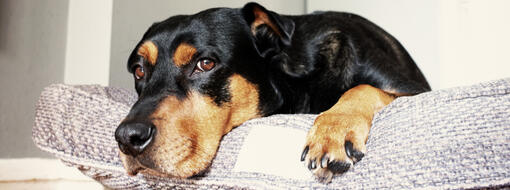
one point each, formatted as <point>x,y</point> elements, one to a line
<point>198,76</point>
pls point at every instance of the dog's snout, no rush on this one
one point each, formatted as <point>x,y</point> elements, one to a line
<point>133,138</point>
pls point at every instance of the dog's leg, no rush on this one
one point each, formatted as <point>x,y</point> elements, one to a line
<point>337,138</point>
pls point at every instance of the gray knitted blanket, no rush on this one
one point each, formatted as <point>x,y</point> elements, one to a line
<point>445,139</point>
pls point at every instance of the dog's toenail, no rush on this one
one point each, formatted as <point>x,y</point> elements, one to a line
<point>324,161</point>
<point>312,165</point>
<point>348,148</point>
<point>305,152</point>
<point>338,166</point>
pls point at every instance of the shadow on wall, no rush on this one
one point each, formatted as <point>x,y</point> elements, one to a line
<point>4,22</point>
<point>32,46</point>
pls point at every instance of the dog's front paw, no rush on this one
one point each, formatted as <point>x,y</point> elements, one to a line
<point>335,143</point>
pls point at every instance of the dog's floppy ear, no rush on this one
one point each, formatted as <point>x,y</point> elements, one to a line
<point>271,31</point>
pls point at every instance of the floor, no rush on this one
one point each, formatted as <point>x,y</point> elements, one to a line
<point>37,173</point>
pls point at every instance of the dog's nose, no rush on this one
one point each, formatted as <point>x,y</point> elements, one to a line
<point>133,138</point>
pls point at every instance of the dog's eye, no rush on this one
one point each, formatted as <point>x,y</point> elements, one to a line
<point>204,65</point>
<point>139,72</point>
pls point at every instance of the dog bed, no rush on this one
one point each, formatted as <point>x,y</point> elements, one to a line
<point>452,138</point>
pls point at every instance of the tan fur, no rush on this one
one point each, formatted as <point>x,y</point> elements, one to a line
<point>189,130</point>
<point>348,120</point>
<point>183,54</point>
<point>149,51</point>
<point>396,93</point>
<point>262,18</point>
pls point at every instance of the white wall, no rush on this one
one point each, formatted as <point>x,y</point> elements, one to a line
<point>89,26</point>
<point>474,41</point>
<point>454,42</point>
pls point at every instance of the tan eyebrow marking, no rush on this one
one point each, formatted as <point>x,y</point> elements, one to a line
<point>183,54</point>
<point>149,51</point>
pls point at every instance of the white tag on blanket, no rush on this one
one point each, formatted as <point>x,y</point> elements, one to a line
<point>273,150</point>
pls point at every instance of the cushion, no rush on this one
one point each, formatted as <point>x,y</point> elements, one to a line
<point>452,138</point>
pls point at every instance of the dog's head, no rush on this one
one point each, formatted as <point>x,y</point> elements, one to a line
<point>197,77</point>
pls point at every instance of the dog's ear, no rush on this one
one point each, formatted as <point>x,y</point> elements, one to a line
<point>270,30</point>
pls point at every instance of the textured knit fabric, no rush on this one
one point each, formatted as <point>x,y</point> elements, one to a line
<point>445,139</point>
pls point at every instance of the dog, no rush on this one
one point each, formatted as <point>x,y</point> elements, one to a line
<point>198,76</point>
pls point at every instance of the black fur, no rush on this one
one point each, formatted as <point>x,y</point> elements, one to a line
<point>304,67</point>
